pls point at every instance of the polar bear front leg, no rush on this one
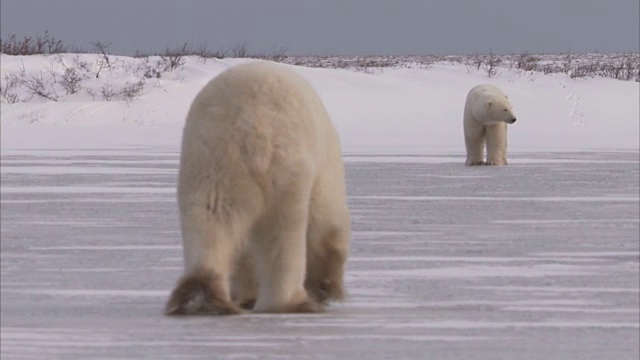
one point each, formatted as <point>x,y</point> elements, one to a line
<point>496,135</point>
<point>209,260</point>
<point>474,138</point>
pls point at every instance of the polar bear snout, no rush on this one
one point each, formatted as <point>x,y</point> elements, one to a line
<point>512,120</point>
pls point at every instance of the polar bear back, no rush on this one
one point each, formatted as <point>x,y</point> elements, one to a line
<point>265,106</point>
<point>257,120</point>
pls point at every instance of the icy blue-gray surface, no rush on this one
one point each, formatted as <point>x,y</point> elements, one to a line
<point>535,260</point>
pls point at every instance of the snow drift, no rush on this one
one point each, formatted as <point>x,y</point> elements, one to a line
<point>401,110</point>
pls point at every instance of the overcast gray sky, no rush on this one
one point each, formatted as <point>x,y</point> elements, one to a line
<point>386,27</point>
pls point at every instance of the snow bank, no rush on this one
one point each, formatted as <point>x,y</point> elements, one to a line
<point>396,110</point>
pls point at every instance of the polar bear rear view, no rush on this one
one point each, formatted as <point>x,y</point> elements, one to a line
<point>487,112</point>
<point>261,194</point>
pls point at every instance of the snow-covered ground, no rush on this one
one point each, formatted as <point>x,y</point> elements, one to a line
<point>535,260</point>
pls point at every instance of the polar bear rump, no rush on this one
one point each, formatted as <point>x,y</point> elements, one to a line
<point>261,193</point>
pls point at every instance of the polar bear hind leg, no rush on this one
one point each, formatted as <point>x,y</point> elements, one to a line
<point>204,289</point>
<point>328,240</point>
<point>244,286</point>
<point>279,251</point>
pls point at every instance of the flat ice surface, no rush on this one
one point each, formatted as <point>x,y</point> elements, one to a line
<point>535,260</point>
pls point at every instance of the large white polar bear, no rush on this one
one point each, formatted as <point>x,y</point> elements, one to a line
<point>261,193</point>
<point>487,112</point>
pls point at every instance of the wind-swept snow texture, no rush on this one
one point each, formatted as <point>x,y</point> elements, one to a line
<point>536,260</point>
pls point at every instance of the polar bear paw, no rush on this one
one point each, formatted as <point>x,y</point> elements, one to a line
<point>307,306</point>
<point>495,163</point>
<point>200,293</point>
<point>476,163</point>
<point>324,291</point>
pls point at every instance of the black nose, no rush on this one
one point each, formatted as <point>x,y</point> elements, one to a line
<point>513,120</point>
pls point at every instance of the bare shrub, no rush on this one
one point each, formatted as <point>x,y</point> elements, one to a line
<point>632,68</point>
<point>427,64</point>
<point>240,51</point>
<point>625,68</point>
<point>42,44</point>
<point>477,61</point>
<point>91,93</point>
<point>128,92</point>
<point>8,96</point>
<point>37,85</point>
<point>278,55</point>
<point>139,54</point>
<point>8,88</point>
<point>568,59</point>
<point>150,69</point>
<point>550,69</point>
<point>172,59</point>
<point>527,62</point>
<point>131,90</point>
<point>72,74</point>
<point>584,70</point>
<point>621,67</point>
<point>10,45</point>
<point>108,93</point>
<point>204,52</point>
<point>491,64</point>
<point>71,79</point>
<point>152,72</point>
<point>50,45</point>
<point>81,64</point>
<point>103,60</point>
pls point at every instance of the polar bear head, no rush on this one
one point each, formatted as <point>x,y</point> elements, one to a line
<point>498,109</point>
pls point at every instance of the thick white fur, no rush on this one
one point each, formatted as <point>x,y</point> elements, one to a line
<point>261,193</point>
<point>487,112</point>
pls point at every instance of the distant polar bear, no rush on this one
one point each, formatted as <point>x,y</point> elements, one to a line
<point>262,199</point>
<point>487,112</point>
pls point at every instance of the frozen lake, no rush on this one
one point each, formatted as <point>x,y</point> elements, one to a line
<point>536,260</point>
